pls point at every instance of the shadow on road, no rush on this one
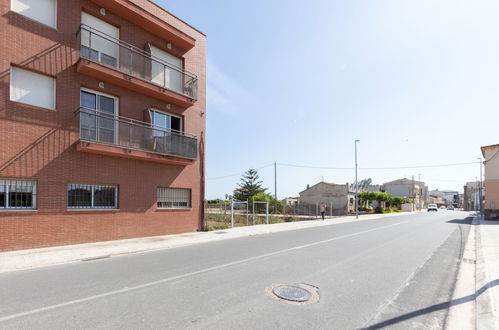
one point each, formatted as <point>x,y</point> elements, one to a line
<point>466,221</point>
<point>433,308</point>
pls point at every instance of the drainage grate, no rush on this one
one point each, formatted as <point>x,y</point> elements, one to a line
<point>292,293</point>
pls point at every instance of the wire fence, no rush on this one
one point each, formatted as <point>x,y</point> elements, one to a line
<point>223,214</point>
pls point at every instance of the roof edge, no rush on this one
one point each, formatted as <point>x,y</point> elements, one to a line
<point>169,13</point>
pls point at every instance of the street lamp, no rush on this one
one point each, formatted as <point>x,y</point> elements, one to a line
<point>356,184</point>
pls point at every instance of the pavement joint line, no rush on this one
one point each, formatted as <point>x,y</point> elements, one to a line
<point>178,277</point>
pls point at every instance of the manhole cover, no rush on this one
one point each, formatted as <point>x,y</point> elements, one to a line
<point>292,293</point>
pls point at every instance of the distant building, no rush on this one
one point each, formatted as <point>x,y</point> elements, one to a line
<point>451,197</point>
<point>471,200</point>
<point>437,200</point>
<point>491,207</point>
<point>339,199</point>
<point>290,201</point>
<point>408,188</point>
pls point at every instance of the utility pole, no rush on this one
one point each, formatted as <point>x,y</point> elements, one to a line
<point>420,191</point>
<point>275,187</point>
<point>356,185</point>
<point>413,194</point>
<point>275,180</point>
<point>480,187</point>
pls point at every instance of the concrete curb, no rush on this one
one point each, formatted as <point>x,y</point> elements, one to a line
<point>35,258</point>
<point>486,312</point>
<point>462,314</point>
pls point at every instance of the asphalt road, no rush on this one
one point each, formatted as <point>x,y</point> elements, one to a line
<point>395,272</point>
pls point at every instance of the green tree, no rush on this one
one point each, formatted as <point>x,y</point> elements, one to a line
<point>275,205</point>
<point>364,183</point>
<point>249,186</point>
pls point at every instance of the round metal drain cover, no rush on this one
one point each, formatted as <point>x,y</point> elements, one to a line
<point>292,293</point>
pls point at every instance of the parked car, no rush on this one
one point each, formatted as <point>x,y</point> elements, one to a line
<point>442,207</point>
<point>450,207</point>
<point>432,207</point>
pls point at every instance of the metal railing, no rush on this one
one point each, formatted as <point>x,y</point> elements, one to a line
<point>106,50</point>
<point>105,128</point>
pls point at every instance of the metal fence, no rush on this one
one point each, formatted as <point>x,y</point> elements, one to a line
<point>312,211</point>
<point>106,50</point>
<point>101,127</point>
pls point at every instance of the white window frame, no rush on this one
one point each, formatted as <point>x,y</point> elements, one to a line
<point>6,185</point>
<point>189,202</point>
<point>92,206</point>
<point>54,79</point>
<point>35,20</point>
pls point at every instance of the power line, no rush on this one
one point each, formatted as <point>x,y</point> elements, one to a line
<point>376,168</point>
<point>347,168</point>
<point>237,174</point>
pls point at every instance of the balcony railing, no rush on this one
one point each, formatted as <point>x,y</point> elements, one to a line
<point>105,128</point>
<point>106,50</point>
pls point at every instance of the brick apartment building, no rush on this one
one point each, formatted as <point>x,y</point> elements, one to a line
<point>102,122</point>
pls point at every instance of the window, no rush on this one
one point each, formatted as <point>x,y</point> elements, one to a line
<point>174,198</point>
<point>98,44</point>
<point>32,88</point>
<point>92,196</point>
<point>100,125</point>
<point>168,137</point>
<point>17,194</point>
<point>169,76</point>
<point>163,120</point>
<point>43,11</point>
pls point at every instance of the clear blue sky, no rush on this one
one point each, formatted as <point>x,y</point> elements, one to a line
<point>298,81</point>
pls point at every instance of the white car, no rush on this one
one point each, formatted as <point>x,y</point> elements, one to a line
<point>432,207</point>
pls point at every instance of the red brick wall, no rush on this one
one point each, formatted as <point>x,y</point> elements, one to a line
<point>39,144</point>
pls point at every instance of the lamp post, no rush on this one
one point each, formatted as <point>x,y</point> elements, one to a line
<point>480,187</point>
<point>356,184</point>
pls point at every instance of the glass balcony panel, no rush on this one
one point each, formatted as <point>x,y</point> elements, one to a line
<point>100,127</point>
<point>104,49</point>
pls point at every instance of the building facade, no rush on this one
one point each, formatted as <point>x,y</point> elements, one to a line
<point>408,188</point>
<point>491,181</point>
<point>471,198</point>
<point>338,199</point>
<point>450,197</point>
<point>102,122</point>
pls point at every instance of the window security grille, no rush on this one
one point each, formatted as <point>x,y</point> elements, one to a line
<point>92,196</point>
<point>174,198</point>
<point>17,194</point>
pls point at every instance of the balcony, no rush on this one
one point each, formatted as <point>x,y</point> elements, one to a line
<point>148,21</point>
<point>122,64</point>
<point>104,133</point>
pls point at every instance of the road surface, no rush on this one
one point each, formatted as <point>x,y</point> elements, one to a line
<point>393,272</point>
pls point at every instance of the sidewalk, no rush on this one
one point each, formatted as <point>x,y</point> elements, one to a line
<point>27,259</point>
<point>487,273</point>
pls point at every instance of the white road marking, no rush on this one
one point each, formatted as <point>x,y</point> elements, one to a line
<point>178,277</point>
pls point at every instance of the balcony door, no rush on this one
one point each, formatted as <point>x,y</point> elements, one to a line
<point>99,40</point>
<point>169,74</point>
<point>98,119</point>
<point>167,133</point>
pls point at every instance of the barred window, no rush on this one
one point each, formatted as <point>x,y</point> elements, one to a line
<point>92,196</point>
<point>17,194</point>
<point>174,198</point>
